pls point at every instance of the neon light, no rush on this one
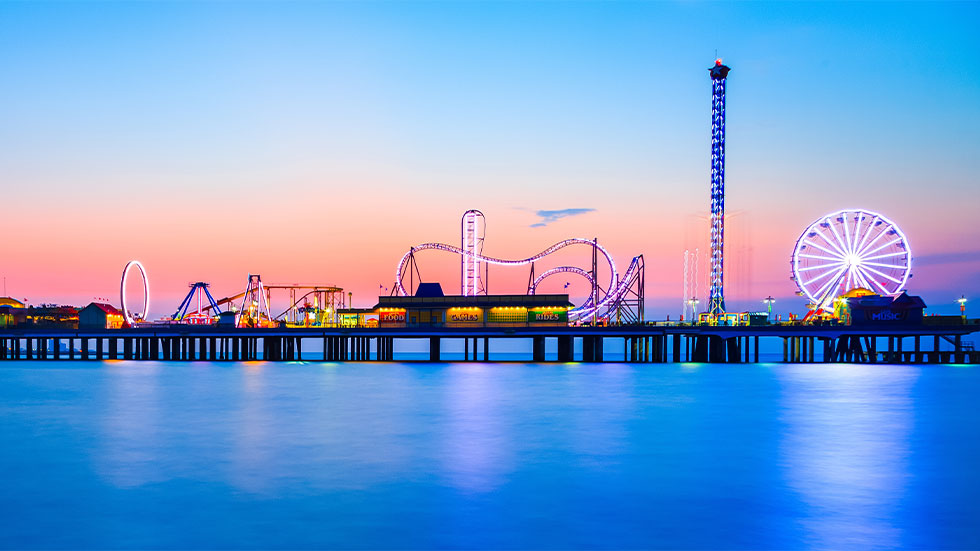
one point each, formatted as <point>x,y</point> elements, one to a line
<point>886,276</point>
<point>835,259</point>
<point>719,76</point>
<point>609,296</point>
<point>146,292</point>
<point>903,253</point>
<point>858,245</point>
<point>828,241</point>
<point>828,251</point>
<point>880,247</point>
<point>823,275</point>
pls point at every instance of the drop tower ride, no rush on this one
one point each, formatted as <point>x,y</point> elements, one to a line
<point>719,74</point>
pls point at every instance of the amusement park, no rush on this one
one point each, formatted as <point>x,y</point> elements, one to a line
<point>852,266</point>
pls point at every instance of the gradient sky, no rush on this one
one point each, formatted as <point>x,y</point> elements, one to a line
<point>316,142</point>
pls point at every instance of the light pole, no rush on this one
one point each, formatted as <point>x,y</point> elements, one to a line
<point>962,301</point>
<point>350,299</point>
<point>769,300</point>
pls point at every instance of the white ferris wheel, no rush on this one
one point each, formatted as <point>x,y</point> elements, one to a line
<point>849,249</point>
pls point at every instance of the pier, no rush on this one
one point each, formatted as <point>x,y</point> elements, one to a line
<point>641,343</point>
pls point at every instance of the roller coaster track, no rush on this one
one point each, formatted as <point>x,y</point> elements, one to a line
<point>609,297</point>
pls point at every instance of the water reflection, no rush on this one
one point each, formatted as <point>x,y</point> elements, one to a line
<point>478,451</point>
<point>128,453</point>
<point>845,450</point>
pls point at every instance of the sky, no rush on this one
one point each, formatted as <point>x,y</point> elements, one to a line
<point>317,142</point>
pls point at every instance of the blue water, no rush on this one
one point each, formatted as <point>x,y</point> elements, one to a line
<point>504,456</point>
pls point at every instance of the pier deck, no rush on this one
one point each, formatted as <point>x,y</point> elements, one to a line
<point>642,343</point>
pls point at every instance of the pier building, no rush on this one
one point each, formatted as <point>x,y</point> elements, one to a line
<point>100,315</point>
<point>474,311</point>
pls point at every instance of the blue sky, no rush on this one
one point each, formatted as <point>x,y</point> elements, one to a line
<point>186,124</point>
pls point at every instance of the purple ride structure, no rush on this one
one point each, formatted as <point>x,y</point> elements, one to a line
<point>849,249</point>
<point>719,75</point>
<point>621,299</point>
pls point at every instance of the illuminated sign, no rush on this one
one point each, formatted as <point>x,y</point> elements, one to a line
<point>886,315</point>
<point>464,316</point>
<point>553,316</point>
<point>392,317</point>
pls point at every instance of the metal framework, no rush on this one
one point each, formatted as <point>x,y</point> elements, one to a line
<point>255,303</point>
<point>320,302</point>
<point>473,228</point>
<point>719,75</point>
<point>603,301</point>
<point>848,249</point>
<point>628,305</point>
<point>200,289</point>
<point>581,312</point>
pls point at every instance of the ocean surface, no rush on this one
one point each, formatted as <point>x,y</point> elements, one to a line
<point>505,456</point>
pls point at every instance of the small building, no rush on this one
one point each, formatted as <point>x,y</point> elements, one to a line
<point>99,315</point>
<point>227,318</point>
<point>882,310</point>
<point>357,317</point>
<point>433,309</point>
<point>12,312</point>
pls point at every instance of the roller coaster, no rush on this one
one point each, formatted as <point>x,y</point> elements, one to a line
<point>620,300</point>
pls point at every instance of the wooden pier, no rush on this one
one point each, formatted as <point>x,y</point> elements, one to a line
<point>642,343</point>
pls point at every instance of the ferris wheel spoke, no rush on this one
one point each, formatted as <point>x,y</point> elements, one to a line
<point>857,231</point>
<point>886,276</point>
<point>862,280</point>
<point>823,275</point>
<point>818,267</point>
<point>830,242</point>
<point>804,255</point>
<point>889,255</point>
<point>867,233</point>
<point>824,249</point>
<point>871,243</point>
<point>831,284</point>
<point>875,281</point>
<point>881,265</point>
<point>847,234</point>
<point>840,241</point>
<point>880,247</point>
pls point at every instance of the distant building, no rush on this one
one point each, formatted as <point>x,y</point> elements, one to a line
<point>11,312</point>
<point>99,315</point>
<point>51,315</point>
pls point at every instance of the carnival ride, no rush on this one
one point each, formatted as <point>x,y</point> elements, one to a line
<point>308,305</point>
<point>129,317</point>
<point>198,316</point>
<point>472,279</point>
<point>621,298</point>
<point>847,250</point>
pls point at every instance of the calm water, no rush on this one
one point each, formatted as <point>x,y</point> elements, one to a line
<point>157,455</point>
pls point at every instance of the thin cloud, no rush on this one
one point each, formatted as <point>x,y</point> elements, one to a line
<point>945,258</point>
<point>549,216</point>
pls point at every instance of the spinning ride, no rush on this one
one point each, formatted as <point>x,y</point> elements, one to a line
<point>850,249</point>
